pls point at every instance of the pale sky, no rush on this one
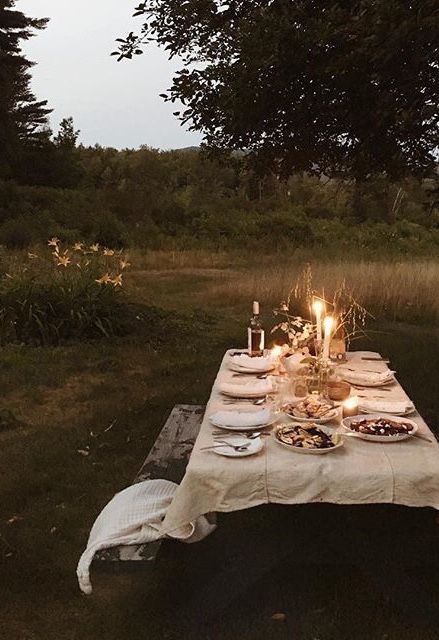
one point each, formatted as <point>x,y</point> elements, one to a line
<point>113,104</point>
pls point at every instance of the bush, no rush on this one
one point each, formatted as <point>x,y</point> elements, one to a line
<point>16,234</point>
<point>74,294</point>
<point>108,230</point>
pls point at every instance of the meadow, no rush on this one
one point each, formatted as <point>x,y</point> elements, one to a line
<point>78,418</point>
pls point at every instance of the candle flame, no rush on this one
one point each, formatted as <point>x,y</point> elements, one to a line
<point>276,351</point>
<point>317,307</point>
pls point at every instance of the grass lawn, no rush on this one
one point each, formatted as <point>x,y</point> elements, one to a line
<point>87,415</point>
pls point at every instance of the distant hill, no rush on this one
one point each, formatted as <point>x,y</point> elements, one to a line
<point>187,149</point>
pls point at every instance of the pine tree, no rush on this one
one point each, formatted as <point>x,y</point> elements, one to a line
<point>23,119</point>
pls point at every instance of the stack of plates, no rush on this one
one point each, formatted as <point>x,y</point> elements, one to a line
<point>243,363</point>
<point>393,407</point>
<point>236,420</point>
<point>367,379</point>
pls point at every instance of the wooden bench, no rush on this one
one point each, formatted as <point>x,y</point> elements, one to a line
<point>167,459</point>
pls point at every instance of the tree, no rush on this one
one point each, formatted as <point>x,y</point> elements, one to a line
<point>23,119</point>
<point>67,136</point>
<point>347,89</point>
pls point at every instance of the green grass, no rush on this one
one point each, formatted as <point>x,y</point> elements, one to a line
<point>90,412</point>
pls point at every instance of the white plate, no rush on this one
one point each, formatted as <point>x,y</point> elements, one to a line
<point>331,415</point>
<point>408,412</point>
<point>255,446</point>
<point>243,394</point>
<point>374,416</point>
<point>345,376</point>
<point>330,432</point>
<point>253,427</point>
<point>256,372</point>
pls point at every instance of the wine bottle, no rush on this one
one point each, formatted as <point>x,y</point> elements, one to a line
<point>256,334</point>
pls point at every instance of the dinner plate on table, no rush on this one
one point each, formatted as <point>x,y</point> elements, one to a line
<point>253,389</point>
<point>243,363</point>
<point>356,379</point>
<point>254,446</point>
<point>219,420</point>
<point>408,411</point>
<point>348,422</point>
<point>336,438</point>
<point>239,369</point>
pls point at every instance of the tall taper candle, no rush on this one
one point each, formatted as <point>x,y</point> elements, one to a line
<point>318,308</point>
<point>328,325</point>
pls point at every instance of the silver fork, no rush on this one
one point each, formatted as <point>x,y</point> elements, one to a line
<point>236,447</point>
<point>248,400</point>
<point>250,435</point>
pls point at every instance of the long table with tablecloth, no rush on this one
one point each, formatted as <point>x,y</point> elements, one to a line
<point>360,472</point>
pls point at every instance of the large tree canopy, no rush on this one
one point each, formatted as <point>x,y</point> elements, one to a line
<point>23,119</point>
<point>345,88</point>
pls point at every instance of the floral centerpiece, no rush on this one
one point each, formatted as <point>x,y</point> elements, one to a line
<point>302,337</point>
<point>299,332</point>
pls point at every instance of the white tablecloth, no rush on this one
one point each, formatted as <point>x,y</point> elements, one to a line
<point>361,472</point>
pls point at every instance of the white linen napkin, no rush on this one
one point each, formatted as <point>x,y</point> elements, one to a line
<point>386,406</point>
<point>365,378</point>
<point>252,387</point>
<point>242,418</point>
<point>259,363</point>
<point>294,363</point>
<point>134,516</point>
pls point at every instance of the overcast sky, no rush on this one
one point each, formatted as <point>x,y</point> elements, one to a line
<point>113,104</point>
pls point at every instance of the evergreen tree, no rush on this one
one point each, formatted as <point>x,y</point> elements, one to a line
<point>23,119</point>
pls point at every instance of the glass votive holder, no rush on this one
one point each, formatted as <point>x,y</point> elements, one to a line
<point>350,407</point>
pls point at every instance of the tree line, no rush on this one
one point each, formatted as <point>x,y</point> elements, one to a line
<point>50,184</point>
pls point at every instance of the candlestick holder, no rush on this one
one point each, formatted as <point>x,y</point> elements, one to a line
<point>324,371</point>
<point>318,347</point>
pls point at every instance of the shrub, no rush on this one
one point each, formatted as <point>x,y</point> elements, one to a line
<point>108,230</point>
<point>73,294</point>
<point>16,234</point>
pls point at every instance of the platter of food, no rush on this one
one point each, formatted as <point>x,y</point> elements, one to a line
<point>308,438</point>
<point>312,409</point>
<point>380,428</point>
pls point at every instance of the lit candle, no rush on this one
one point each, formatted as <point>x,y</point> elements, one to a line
<point>328,325</point>
<point>276,352</point>
<point>318,309</point>
<point>350,407</point>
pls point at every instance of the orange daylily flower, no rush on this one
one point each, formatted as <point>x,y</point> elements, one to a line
<point>94,247</point>
<point>108,252</point>
<point>105,279</point>
<point>117,281</point>
<point>63,261</point>
<point>78,246</point>
<point>53,242</point>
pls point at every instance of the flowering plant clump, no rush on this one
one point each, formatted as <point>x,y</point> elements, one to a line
<point>297,330</point>
<point>65,292</point>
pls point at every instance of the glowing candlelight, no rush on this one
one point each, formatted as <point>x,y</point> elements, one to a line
<point>318,310</point>
<point>350,407</point>
<point>276,352</point>
<point>328,326</point>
